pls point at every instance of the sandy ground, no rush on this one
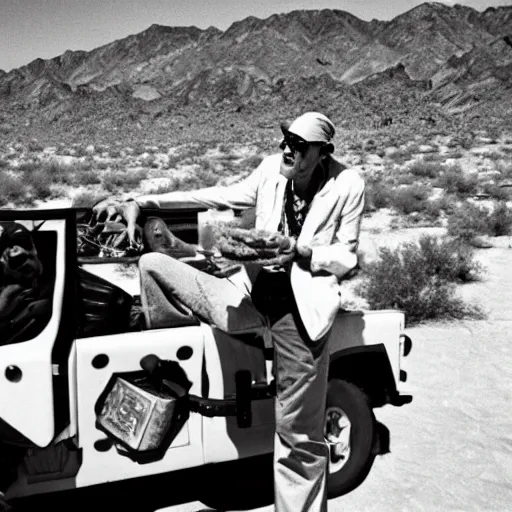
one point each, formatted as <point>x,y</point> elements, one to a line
<point>451,448</point>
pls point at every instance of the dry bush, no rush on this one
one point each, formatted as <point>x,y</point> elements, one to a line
<point>450,259</point>
<point>411,199</point>
<point>401,156</point>
<point>406,179</point>
<point>434,208</point>
<point>470,221</point>
<point>12,188</point>
<point>40,183</point>
<point>434,157</point>
<point>419,279</point>
<point>499,221</point>
<point>114,181</point>
<point>378,195</point>
<point>150,161</point>
<point>87,177</point>
<point>505,170</point>
<point>454,180</point>
<point>34,146</point>
<point>425,169</point>
<point>495,191</point>
<point>87,199</point>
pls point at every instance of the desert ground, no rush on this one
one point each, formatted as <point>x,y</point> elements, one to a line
<point>451,448</point>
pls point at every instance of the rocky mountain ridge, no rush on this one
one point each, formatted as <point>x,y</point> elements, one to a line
<point>451,59</point>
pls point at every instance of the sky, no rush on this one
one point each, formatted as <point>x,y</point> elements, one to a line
<point>31,29</point>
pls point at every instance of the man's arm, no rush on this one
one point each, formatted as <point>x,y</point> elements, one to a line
<point>340,257</point>
<point>238,196</point>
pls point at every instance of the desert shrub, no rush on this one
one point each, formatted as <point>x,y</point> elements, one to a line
<point>40,183</point>
<point>454,153</point>
<point>466,140</point>
<point>3,163</point>
<point>50,171</point>
<point>406,179</point>
<point>87,199</point>
<point>495,156</point>
<point>411,199</point>
<point>449,259</point>
<point>34,145</point>
<point>504,168</point>
<point>378,195</point>
<point>402,155</point>
<point>116,180</point>
<point>27,167</point>
<point>113,181</point>
<point>495,191</point>
<point>12,188</point>
<point>81,150</point>
<point>468,221</point>
<point>87,178</point>
<point>433,157</point>
<point>163,188</point>
<point>150,161</point>
<point>455,181</point>
<point>417,278</point>
<point>433,208</point>
<point>424,169</point>
<point>499,221</point>
<point>206,176</point>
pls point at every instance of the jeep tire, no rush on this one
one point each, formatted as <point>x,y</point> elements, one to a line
<point>351,453</point>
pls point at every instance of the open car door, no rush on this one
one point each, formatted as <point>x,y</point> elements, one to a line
<point>34,398</point>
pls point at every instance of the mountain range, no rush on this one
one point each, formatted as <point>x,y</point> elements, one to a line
<point>434,62</point>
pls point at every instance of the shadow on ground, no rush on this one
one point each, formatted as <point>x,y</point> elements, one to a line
<point>239,485</point>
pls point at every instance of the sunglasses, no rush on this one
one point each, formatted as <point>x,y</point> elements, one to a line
<point>295,143</point>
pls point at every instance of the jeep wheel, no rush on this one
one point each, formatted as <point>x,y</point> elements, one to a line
<point>349,430</point>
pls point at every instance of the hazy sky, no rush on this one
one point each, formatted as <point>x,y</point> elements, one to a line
<point>46,28</point>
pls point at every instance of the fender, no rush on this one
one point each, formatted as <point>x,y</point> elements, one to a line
<point>369,368</point>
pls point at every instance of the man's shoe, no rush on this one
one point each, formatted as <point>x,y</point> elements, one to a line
<point>160,239</point>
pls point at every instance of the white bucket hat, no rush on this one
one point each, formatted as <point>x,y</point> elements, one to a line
<point>312,127</point>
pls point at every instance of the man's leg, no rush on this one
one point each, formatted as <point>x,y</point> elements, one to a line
<point>301,454</point>
<point>169,285</point>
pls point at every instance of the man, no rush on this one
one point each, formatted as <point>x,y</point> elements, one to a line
<point>25,292</point>
<point>308,195</point>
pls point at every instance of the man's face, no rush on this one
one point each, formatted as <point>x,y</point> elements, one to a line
<point>18,256</point>
<point>299,159</point>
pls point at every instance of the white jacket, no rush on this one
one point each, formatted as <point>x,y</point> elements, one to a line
<point>331,229</point>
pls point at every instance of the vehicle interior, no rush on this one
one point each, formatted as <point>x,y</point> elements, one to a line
<point>108,309</point>
<point>28,311</point>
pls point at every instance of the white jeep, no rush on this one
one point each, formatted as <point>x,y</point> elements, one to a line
<point>51,384</point>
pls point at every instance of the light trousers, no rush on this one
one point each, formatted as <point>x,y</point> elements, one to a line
<point>300,368</point>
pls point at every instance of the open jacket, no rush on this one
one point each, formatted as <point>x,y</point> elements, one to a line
<point>331,229</point>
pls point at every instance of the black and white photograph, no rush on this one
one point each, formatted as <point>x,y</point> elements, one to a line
<point>256,256</point>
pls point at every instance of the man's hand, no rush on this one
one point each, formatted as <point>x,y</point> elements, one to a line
<point>303,258</point>
<point>110,210</point>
